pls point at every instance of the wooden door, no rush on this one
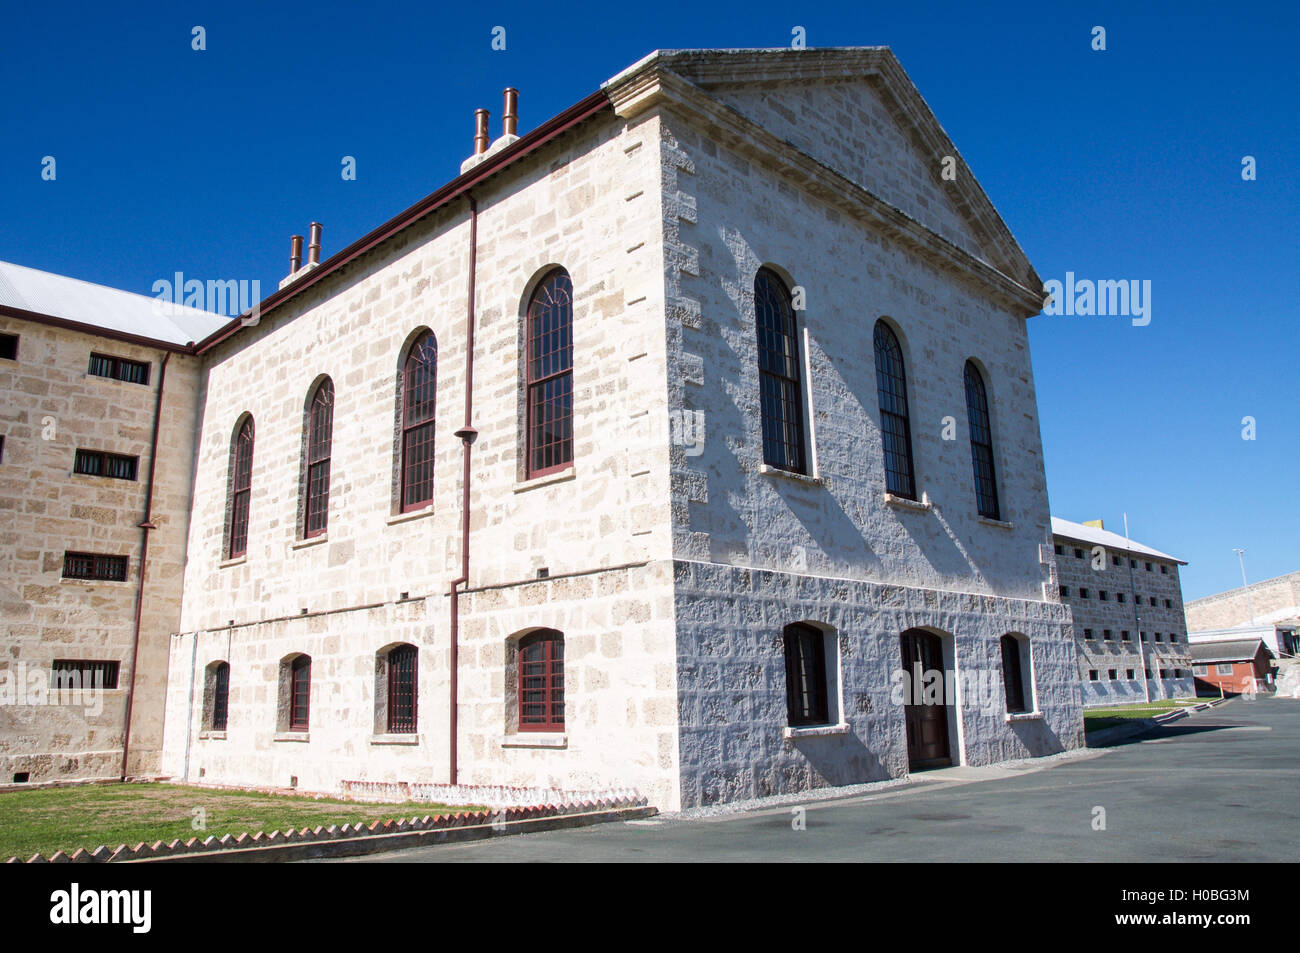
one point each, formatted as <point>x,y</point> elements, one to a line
<point>927,724</point>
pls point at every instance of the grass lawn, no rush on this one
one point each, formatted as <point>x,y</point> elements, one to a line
<point>1096,719</point>
<point>50,819</point>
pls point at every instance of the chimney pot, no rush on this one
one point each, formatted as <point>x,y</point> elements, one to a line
<point>510,118</point>
<point>295,254</point>
<point>313,250</point>
<point>480,131</point>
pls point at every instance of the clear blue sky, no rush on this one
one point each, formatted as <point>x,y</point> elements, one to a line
<point>1117,164</point>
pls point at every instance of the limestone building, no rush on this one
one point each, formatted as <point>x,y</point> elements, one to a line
<point>1268,610</point>
<point>1127,604</point>
<point>687,443</point>
<point>98,406</point>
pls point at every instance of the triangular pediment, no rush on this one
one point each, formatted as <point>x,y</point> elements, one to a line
<point>856,112</point>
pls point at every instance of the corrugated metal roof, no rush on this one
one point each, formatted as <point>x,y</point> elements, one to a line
<point>1104,537</point>
<point>1236,651</point>
<point>123,312</point>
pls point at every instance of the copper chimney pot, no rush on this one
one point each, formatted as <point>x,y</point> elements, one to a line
<point>313,249</point>
<point>480,131</point>
<point>510,119</point>
<point>295,254</point>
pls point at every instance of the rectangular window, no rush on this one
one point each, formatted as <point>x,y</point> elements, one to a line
<point>300,693</point>
<point>119,368</point>
<point>98,463</point>
<point>1200,670</point>
<point>1164,569</point>
<point>1078,553</point>
<point>1223,668</point>
<point>2,448</point>
<point>1169,604</point>
<point>1092,675</point>
<point>1060,550</point>
<point>81,673</point>
<point>1065,592</point>
<point>1148,567</point>
<point>1132,564</point>
<point>1106,634</point>
<point>1103,595</point>
<point>94,566</point>
<point>1087,633</point>
<point>9,347</point>
<point>1113,674</point>
<point>1119,597</point>
<point>1128,674</point>
<point>1083,593</point>
<point>1124,635</point>
<point>402,690</point>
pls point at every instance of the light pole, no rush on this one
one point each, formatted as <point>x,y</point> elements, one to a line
<point>1241,557</point>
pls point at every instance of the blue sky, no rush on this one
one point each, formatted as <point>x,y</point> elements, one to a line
<point>1117,164</point>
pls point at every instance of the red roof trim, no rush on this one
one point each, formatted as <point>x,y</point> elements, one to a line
<point>543,134</point>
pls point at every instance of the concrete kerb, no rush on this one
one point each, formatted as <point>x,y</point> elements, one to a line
<point>1120,732</point>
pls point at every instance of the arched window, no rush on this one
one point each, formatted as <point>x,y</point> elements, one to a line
<point>541,681</point>
<point>550,376</point>
<point>216,696</point>
<point>419,407</point>
<point>780,395</point>
<point>895,430</point>
<point>241,487</point>
<point>805,676</point>
<point>296,693</point>
<point>320,430</point>
<point>981,443</point>
<point>401,689</point>
<point>1013,673</point>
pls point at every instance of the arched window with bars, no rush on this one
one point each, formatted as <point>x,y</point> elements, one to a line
<point>240,488</point>
<point>981,443</point>
<point>549,376</point>
<point>417,419</point>
<point>895,427</point>
<point>319,439</point>
<point>780,384</point>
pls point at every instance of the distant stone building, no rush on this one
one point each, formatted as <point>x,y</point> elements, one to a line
<point>687,443</point>
<point>1269,610</point>
<point>1127,604</point>
<point>92,380</point>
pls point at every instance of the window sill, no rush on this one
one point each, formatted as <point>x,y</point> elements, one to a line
<point>237,561</point>
<point>999,524</point>
<point>904,503</point>
<point>1024,716</point>
<point>310,541</point>
<point>292,736</point>
<point>562,476</point>
<point>212,736</point>
<point>769,470</point>
<point>395,739</point>
<point>539,739</point>
<point>816,731</point>
<point>412,515</point>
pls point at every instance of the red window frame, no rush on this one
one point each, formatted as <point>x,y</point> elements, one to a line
<point>99,463</point>
<point>403,690</point>
<point>419,418</point>
<point>549,376</point>
<point>320,438</point>
<point>540,670</point>
<point>95,566</point>
<point>119,368</point>
<point>241,489</point>
<point>300,693</point>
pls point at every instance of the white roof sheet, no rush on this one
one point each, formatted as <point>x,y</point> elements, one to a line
<point>1104,537</point>
<point>112,309</point>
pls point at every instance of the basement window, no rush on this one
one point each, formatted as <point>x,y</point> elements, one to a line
<point>83,673</point>
<point>20,777</point>
<point>94,566</point>
<point>98,463</point>
<point>9,351</point>
<point>119,368</point>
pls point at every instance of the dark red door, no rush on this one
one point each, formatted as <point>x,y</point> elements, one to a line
<point>927,724</point>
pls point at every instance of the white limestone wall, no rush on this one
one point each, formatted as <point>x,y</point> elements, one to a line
<point>589,204</point>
